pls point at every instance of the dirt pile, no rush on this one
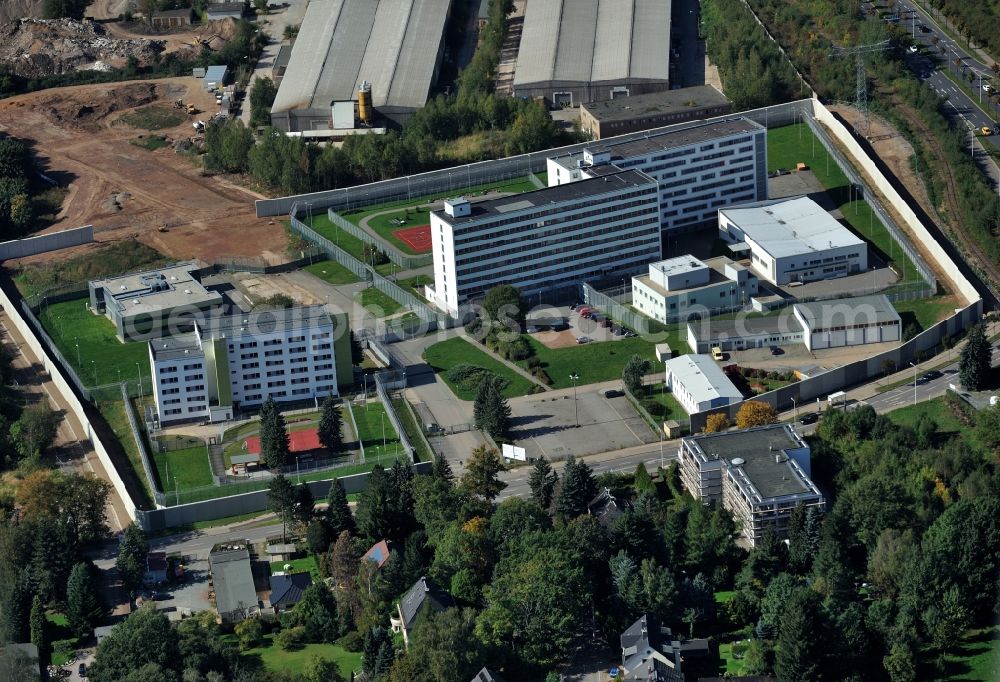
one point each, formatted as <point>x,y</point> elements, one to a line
<point>41,47</point>
<point>87,110</point>
<point>11,10</point>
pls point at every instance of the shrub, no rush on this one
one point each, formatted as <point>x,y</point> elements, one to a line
<point>533,362</point>
<point>519,349</point>
<point>352,641</point>
<point>542,376</point>
<point>291,639</point>
<point>467,377</point>
<point>249,632</point>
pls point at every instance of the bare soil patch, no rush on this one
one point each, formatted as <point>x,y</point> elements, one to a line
<point>551,339</point>
<point>157,197</point>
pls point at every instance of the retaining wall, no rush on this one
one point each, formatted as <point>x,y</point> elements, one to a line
<point>20,248</point>
<point>246,503</point>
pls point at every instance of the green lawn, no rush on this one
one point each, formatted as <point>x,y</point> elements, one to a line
<point>444,355</point>
<point>277,659</point>
<point>733,666</point>
<point>976,658</point>
<point>102,359</point>
<point>414,432</point>
<point>378,303</point>
<point>374,427</point>
<point>348,242</point>
<point>594,362</point>
<point>154,117</point>
<point>331,272</point>
<point>925,312</point>
<point>113,412</point>
<point>416,283</point>
<point>410,216</point>
<point>304,565</point>
<point>663,405</point>
<point>182,469</point>
<point>939,411</point>
<point>789,145</point>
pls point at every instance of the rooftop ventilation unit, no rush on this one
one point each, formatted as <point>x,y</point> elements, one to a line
<point>738,462</point>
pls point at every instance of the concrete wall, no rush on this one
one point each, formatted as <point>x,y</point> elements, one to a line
<point>20,248</point>
<point>246,503</point>
<point>66,392</point>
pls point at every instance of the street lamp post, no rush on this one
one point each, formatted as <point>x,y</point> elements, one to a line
<point>138,374</point>
<point>795,410</point>
<point>914,383</point>
<point>381,419</point>
<point>574,377</point>
<point>77,343</point>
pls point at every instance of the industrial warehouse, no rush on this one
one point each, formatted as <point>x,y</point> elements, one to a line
<point>393,47</point>
<point>575,51</point>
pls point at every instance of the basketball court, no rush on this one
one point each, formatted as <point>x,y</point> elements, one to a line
<point>298,441</point>
<point>417,238</point>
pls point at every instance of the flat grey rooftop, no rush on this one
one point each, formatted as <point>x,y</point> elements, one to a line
<point>573,191</point>
<point>178,346</point>
<point>675,138</point>
<point>267,321</point>
<point>716,275</point>
<point>782,322</point>
<point>592,41</point>
<point>791,227</point>
<point>670,101</point>
<point>847,311</point>
<point>393,44</point>
<point>152,291</point>
<point>758,448</point>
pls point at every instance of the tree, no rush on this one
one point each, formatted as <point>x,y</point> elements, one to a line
<point>338,511</point>
<point>281,496</point>
<point>755,413</point>
<point>376,653</point>
<point>576,489</point>
<point>716,422</point>
<point>83,603</point>
<point>262,95</point>
<point>331,425</point>
<point>504,306</point>
<point>39,636</point>
<point>481,469</point>
<point>322,670</point>
<point>443,648</point>
<point>491,412</point>
<point>249,631</point>
<point>374,515</point>
<point>803,538</point>
<point>304,504</point>
<point>537,602</point>
<point>641,482</point>
<point>131,562</point>
<point>802,640</point>
<point>317,611</point>
<point>34,430</point>
<point>441,467</point>
<point>542,482</point>
<point>635,369</point>
<point>273,435</point>
<point>900,664</point>
<point>975,360</point>
<point>318,535</point>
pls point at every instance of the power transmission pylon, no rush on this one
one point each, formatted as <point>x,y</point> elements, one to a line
<point>861,86</point>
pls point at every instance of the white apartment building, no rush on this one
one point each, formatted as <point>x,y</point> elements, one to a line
<point>699,168</point>
<point>677,287</point>
<point>699,384</point>
<point>792,240</point>
<point>546,239</point>
<point>293,354</point>
<point>760,475</point>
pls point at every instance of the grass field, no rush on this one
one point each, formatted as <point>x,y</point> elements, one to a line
<point>348,242</point>
<point>413,431</point>
<point>378,303</point>
<point>976,658</point>
<point>374,427</point>
<point>277,659</point>
<point>154,118</point>
<point>102,359</point>
<point>926,311</point>
<point>304,565</point>
<point>113,412</point>
<point>594,362</point>
<point>410,216</point>
<point>938,409</point>
<point>663,405</point>
<point>444,355</point>
<point>124,256</point>
<point>150,142</point>
<point>792,144</point>
<point>182,469</point>
<point>331,272</point>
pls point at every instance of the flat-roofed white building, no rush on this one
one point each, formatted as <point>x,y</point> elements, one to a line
<point>792,240</point>
<point>699,168</point>
<point>848,322</point>
<point>546,239</point>
<point>699,384</point>
<point>678,287</point>
<point>295,354</point>
<point>760,475</point>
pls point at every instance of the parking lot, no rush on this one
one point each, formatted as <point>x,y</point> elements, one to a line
<point>798,356</point>
<point>573,327</point>
<point>190,595</point>
<point>545,424</point>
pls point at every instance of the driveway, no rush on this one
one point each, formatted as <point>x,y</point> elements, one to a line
<point>286,13</point>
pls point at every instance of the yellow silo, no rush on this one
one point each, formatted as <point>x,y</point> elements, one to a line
<point>365,103</point>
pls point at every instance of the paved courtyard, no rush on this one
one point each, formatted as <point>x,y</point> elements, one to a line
<point>545,424</point>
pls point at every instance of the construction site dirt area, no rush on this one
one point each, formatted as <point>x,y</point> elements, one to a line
<point>127,192</point>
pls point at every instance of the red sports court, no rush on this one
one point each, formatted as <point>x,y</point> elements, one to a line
<point>298,441</point>
<point>417,238</point>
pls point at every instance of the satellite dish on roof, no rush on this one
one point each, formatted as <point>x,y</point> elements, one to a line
<point>738,461</point>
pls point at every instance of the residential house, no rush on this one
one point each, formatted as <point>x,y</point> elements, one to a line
<point>232,580</point>
<point>379,553</point>
<point>487,675</point>
<point>650,653</point>
<point>425,594</point>
<point>606,508</point>
<point>287,589</point>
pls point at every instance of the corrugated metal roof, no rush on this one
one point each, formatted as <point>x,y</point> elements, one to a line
<point>393,44</point>
<point>594,41</point>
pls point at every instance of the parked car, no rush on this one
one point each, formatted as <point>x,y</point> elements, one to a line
<point>82,670</point>
<point>629,334</point>
<point>809,418</point>
<point>583,339</point>
<point>776,351</point>
<point>932,375</point>
<point>924,28</point>
<point>912,49</point>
